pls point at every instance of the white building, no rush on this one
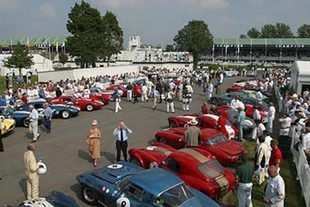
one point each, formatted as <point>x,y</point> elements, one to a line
<point>300,76</point>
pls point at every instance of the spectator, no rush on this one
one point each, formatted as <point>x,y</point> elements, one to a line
<point>121,134</point>
<point>284,139</point>
<point>240,120</point>
<point>260,160</point>
<point>275,189</point>
<point>276,154</point>
<point>170,102</point>
<point>271,117</point>
<point>192,134</point>
<point>93,141</point>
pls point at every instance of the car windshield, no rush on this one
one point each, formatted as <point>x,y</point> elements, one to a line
<point>9,110</point>
<point>174,196</point>
<point>219,139</point>
<point>211,169</point>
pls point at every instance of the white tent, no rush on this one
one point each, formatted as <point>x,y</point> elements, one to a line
<point>300,76</point>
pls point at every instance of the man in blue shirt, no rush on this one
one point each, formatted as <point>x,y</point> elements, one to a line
<point>48,113</point>
<point>121,133</point>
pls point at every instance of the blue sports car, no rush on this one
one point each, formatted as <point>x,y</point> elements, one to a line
<point>127,185</point>
<point>59,110</point>
<point>20,117</point>
<point>55,199</point>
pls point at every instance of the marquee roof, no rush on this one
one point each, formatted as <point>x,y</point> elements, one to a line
<point>263,41</point>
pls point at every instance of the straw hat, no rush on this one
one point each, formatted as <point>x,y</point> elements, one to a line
<point>192,122</point>
<point>94,122</point>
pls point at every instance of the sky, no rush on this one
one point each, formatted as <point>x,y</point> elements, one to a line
<point>156,21</point>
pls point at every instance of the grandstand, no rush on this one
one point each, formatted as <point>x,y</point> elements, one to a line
<point>271,50</point>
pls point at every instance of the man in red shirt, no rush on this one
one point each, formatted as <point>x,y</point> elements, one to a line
<point>276,154</point>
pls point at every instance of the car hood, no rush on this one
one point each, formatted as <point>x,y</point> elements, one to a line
<point>231,148</point>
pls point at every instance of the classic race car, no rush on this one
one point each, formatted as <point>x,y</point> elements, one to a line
<point>55,199</point>
<point>7,125</point>
<point>82,103</point>
<point>204,121</point>
<point>198,168</point>
<point>59,110</point>
<point>97,93</point>
<point>122,87</point>
<point>125,184</point>
<point>20,117</point>
<point>227,152</point>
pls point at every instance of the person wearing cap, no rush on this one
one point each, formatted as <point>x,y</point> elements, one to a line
<point>32,175</point>
<point>192,134</point>
<point>33,125</point>
<point>121,133</point>
<point>93,141</point>
<point>275,189</point>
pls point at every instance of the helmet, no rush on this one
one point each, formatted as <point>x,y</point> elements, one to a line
<point>42,169</point>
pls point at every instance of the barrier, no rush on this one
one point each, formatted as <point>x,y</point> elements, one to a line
<point>303,171</point>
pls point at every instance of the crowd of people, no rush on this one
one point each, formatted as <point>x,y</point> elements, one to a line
<point>269,150</point>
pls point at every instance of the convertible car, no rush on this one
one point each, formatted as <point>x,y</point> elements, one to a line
<point>198,168</point>
<point>204,121</point>
<point>227,152</point>
<point>122,87</point>
<point>7,125</point>
<point>82,103</point>
<point>59,110</point>
<point>20,116</point>
<point>55,199</point>
<point>127,185</point>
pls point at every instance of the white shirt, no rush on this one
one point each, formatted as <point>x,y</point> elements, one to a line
<point>285,124</point>
<point>256,115</point>
<point>306,142</point>
<point>260,129</point>
<point>235,103</point>
<point>221,78</point>
<point>259,95</point>
<point>275,191</point>
<point>34,116</point>
<point>144,89</point>
<point>272,112</point>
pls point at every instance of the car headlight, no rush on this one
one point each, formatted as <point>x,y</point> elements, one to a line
<point>233,158</point>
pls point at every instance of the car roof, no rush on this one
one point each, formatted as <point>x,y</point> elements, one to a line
<point>155,181</point>
<point>209,133</point>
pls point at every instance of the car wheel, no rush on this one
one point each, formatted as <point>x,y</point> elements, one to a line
<point>89,107</point>
<point>89,195</point>
<point>26,122</point>
<point>172,124</point>
<point>135,161</point>
<point>162,140</point>
<point>65,114</point>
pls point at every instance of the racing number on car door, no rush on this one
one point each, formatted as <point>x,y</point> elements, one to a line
<point>123,202</point>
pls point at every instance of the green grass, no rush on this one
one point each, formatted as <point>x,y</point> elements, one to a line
<point>34,79</point>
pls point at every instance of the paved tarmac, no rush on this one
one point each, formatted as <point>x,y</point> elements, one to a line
<point>65,150</point>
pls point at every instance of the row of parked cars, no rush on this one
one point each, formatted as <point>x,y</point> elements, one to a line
<point>166,174</point>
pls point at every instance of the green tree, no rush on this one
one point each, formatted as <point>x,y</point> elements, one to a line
<point>85,25</point>
<point>304,31</point>
<point>283,31</point>
<point>63,58</point>
<point>169,48</point>
<point>112,36</point>
<point>243,36</point>
<point>20,59</point>
<point>195,38</point>
<point>253,33</point>
<point>268,31</point>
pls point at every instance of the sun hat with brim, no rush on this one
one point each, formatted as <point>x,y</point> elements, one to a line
<point>192,122</point>
<point>95,122</point>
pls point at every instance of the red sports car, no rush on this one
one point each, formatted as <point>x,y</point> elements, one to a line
<point>205,121</point>
<point>122,87</point>
<point>198,168</point>
<point>100,95</point>
<point>227,152</point>
<point>82,103</point>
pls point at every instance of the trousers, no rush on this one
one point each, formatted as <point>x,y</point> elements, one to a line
<point>244,194</point>
<point>32,187</point>
<point>170,106</point>
<point>117,106</point>
<point>129,95</point>
<point>121,146</point>
<point>47,124</point>
<point>154,102</point>
<point>33,128</point>
<point>270,124</point>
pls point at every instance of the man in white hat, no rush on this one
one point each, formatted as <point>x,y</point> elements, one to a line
<point>192,134</point>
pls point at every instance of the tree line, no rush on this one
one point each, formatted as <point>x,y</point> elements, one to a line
<point>278,30</point>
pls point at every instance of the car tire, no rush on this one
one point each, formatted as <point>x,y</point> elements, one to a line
<point>65,114</point>
<point>89,107</point>
<point>26,123</point>
<point>89,195</point>
<point>135,161</point>
<point>172,124</point>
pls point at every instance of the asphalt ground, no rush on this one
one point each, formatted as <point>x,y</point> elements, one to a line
<point>65,150</point>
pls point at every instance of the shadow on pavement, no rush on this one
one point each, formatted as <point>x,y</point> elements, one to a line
<point>76,188</point>
<point>109,156</point>
<point>84,155</point>
<point>23,185</point>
